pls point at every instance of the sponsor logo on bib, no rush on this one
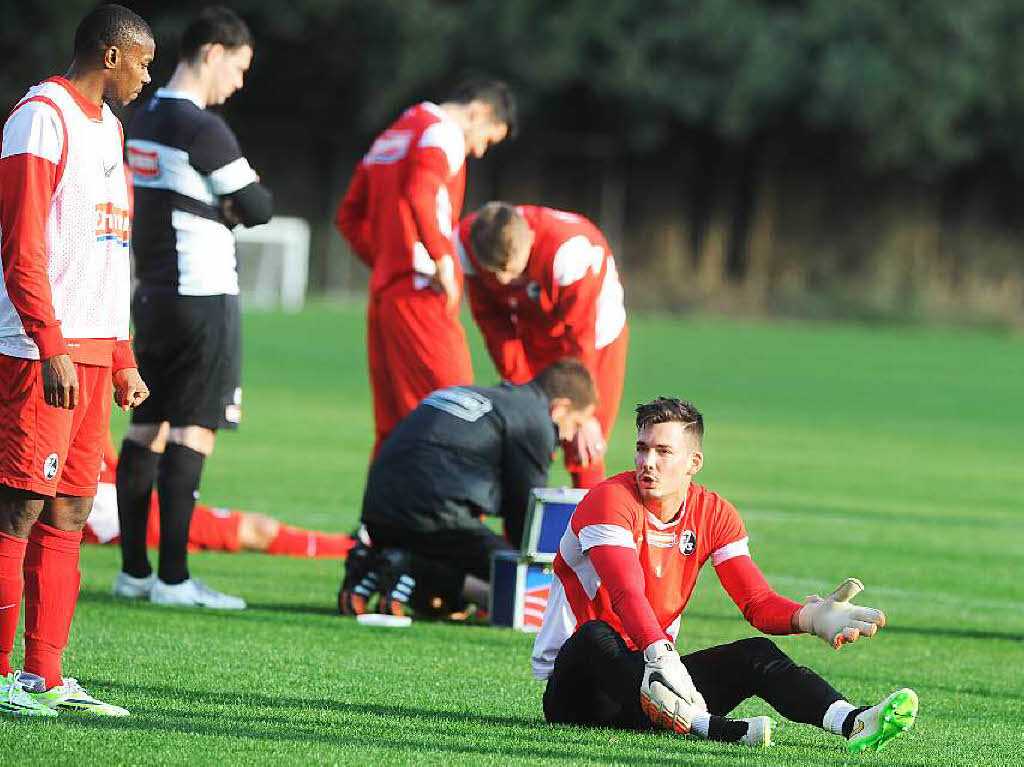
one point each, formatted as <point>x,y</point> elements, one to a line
<point>112,224</point>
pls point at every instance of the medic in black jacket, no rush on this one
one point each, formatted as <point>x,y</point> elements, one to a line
<point>464,452</point>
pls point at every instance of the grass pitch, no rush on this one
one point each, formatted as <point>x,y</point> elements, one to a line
<point>889,454</point>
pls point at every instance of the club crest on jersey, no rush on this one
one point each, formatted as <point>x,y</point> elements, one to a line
<point>112,224</point>
<point>533,290</point>
<point>50,467</point>
<point>687,542</point>
<point>143,164</point>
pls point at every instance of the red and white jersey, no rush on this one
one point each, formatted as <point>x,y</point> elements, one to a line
<point>405,199</point>
<point>64,228</point>
<point>671,554</point>
<point>568,302</point>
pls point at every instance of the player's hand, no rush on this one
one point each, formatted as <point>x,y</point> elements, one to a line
<point>129,388</point>
<point>835,619</point>
<point>589,442</point>
<point>228,212</point>
<point>445,283</point>
<point>60,382</point>
<point>667,694</point>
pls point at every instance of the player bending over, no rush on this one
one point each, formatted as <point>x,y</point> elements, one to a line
<point>542,285</point>
<point>211,528</point>
<point>624,573</point>
<point>464,452</point>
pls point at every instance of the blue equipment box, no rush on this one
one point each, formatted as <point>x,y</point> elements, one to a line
<point>547,518</point>
<point>519,589</point>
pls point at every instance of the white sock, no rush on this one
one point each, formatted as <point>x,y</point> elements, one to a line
<point>835,716</point>
<point>700,723</point>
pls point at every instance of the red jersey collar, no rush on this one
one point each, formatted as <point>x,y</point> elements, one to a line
<point>91,111</point>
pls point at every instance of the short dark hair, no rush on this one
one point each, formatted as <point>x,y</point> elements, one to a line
<point>108,25</point>
<point>214,24</point>
<point>490,234</point>
<point>669,409</point>
<point>568,378</point>
<point>495,93</point>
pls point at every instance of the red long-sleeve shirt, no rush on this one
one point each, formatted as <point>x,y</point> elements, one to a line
<point>405,198</point>
<point>567,303</point>
<point>619,564</point>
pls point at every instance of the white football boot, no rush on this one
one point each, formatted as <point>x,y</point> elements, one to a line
<point>129,587</point>
<point>193,593</point>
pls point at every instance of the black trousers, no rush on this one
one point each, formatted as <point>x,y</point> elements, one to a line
<point>596,680</point>
<point>440,560</point>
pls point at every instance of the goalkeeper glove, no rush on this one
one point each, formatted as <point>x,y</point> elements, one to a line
<point>667,694</point>
<point>837,621</point>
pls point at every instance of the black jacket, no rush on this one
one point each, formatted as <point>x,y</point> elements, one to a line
<point>464,451</point>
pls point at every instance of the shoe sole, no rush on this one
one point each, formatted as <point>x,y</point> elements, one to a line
<point>44,712</point>
<point>204,605</point>
<point>897,717</point>
<point>90,709</point>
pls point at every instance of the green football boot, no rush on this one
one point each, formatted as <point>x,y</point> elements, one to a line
<point>14,700</point>
<point>71,696</point>
<point>876,726</point>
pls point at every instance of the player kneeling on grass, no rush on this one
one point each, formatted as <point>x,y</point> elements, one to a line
<point>625,570</point>
<point>463,452</point>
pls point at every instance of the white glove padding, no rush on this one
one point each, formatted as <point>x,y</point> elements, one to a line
<point>837,621</point>
<point>667,694</point>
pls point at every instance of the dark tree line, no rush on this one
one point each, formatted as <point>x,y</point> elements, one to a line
<point>928,92</point>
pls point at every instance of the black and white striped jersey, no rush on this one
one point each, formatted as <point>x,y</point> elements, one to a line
<point>184,160</point>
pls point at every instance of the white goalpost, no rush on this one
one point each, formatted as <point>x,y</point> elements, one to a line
<point>273,263</point>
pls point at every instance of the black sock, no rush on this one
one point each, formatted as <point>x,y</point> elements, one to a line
<point>136,471</point>
<point>176,484</point>
<point>850,718</point>
<point>724,729</point>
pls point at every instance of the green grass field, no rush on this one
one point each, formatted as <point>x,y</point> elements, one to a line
<point>889,454</point>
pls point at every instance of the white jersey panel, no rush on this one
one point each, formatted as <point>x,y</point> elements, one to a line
<point>557,626</point>
<point>87,226</point>
<point>158,166</point>
<point>196,239</point>
<point>35,128</point>
<point>611,308</point>
<point>236,175</point>
<point>447,136</point>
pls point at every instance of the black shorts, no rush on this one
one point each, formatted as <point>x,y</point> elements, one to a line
<point>596,680</point>
<point>189,350</point>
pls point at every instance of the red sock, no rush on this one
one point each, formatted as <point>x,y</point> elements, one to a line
<point>296,542</point>
<point>51,590</point>
<point>12,559</point>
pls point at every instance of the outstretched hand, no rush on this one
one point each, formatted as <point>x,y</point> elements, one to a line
<point>835,619</point>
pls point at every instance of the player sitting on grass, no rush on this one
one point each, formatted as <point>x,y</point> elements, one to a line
<point>463,452</point>
<point>625,570</point>
<point>211,528</point>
